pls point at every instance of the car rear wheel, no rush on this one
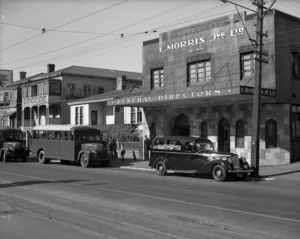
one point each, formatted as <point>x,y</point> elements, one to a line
<point>219,173</point>
<point>161,168</point>
<point>84,160</point>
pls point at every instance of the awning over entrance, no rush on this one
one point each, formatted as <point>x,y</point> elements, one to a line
<point>7,111</point>
<point>191,97</point>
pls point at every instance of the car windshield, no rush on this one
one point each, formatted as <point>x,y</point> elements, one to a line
<point>13,136</point>
<point>204,146</point>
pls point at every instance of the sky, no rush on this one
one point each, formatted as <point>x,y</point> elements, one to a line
<point>99,33</point>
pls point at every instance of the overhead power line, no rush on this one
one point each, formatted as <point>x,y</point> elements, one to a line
<point>110,33</point>
<point>67,23</point>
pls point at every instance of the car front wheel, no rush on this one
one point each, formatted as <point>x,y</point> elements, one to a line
<point>161,168</point>
<point>219,173</point>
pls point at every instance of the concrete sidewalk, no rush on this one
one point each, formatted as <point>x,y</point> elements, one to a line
<point>285,172</point>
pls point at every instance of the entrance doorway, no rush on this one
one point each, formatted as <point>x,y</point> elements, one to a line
<point>181,126</point>
<point>224,136</point>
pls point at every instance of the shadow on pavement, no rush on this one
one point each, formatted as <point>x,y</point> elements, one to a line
<point>27,183</point>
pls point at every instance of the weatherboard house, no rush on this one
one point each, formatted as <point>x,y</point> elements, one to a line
<point>199,80</point>
<point>43,98</point>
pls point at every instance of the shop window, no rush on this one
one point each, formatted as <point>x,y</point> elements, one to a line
<point>54,111</point>
<point>79,115</point>
<point>199,72</point>
<point>247,65</point>
<point>240,134</point>
<point>133,115</point>
<point>296,64</point>
<point>296,121</point>
<point>271,133</point>
<point>157,78</point>
<point>203,130</point>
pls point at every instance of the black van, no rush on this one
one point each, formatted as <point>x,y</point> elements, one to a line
<point>195,155</point>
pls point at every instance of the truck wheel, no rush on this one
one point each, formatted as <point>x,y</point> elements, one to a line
<point>84,160</point>
<point>42,157</point>
<point>219,173</point>
<point>161,168</point>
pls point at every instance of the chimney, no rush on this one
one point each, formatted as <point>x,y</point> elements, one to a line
<point>120,82</point>
<point>22,75</point>
<point>51,68</point>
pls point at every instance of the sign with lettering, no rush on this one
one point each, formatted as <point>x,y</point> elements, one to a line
<point>248,90</point>
<point>170,97</point>
<point>199,42</point>
<point>35,100</point>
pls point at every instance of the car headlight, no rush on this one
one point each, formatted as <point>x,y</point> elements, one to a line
<point>219,158</point>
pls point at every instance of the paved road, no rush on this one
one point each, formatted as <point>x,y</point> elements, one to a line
<point>66,201</point>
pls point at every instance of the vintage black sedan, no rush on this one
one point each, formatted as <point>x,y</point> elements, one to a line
<point>197,156</point>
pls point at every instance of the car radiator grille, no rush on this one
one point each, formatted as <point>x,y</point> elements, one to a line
<point>235,162</point>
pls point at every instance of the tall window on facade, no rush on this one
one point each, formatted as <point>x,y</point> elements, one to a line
<point>139,114</point>
<point>45,88</point>
<point>24,92</point>
<point>54,111</point>
<point>240,134</point>
<point>296,64</point>
<point>26,113</point>
<point>40,89</point>
<point>133,115</point>
<point>94,117</point>
<point>157,78</point>
<point>100,90</point>
<point>247,65</point>
<point>70,90</point>
<point>203,129</point>
<point>271,133</point>
<point>199,72</point>
<point>296,121</point>
<point>55,89</point>
<point>79,115</point>
<point>87,90</point>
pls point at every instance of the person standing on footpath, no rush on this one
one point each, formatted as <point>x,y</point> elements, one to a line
<point>147,144</point>
<point>113,148</point>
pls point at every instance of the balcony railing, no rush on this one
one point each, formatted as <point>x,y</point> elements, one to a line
<point>35,100</point>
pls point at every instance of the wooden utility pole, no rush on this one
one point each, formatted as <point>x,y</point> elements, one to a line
<point>255,137</point>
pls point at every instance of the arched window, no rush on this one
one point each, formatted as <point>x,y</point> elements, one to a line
<point>271,133</point>
<point>152,131</point>
<point>203,129</point>
<point>240,134</point>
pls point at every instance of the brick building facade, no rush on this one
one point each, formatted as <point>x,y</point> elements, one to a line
<point>198,81</point>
